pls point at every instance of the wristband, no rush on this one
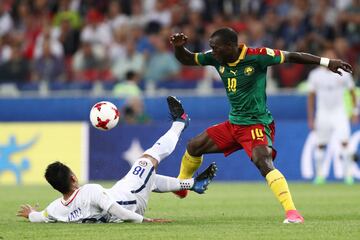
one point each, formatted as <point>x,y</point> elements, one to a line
<point>324,62</point>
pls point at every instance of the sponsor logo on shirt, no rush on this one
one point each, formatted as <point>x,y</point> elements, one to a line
<point>143,163</point>
<point>233,72</point>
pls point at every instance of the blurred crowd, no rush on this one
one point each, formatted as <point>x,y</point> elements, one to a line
<point>125,43</point>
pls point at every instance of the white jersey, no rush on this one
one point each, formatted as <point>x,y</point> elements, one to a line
<point>88,203</point>
<point>91,202</point>
<point>329,88</point>
<point>330,117</point>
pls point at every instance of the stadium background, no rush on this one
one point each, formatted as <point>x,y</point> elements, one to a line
<point>57,58</point>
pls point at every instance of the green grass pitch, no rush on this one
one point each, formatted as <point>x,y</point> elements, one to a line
<point>226,211</point>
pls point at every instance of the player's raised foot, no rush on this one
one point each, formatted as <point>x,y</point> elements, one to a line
<point>181,193</point>
<point>202,181</point>
<point>177,112</point>
<point>293,216</point>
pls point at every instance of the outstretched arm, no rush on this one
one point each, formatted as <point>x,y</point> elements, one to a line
<point>306,58</point>
<point>129,216</point>
<point>31,213</point>
<point>186,57</point>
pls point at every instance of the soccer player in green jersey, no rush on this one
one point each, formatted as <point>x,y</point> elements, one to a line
<point>250,125</point>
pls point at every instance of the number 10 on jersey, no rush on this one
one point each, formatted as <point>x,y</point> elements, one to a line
<point>231,85</point>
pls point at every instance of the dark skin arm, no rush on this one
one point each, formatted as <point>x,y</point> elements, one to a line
<point>306,58</point>
<point>183,55</point>
<point>186,57</point>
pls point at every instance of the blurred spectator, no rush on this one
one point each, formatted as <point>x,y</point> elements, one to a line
<point>299,25</point>
<point>137,17</point>
<point>162,64</point>
<point>5,49</point>
<point>48,66</point>
<point>133,112</point>
<point>68,36</point>
<point>293,29</point>
<point>6,22</point>
<point>160,13</point>
<point>96,30</point>
<point>350,18</point>
<point>20,13</point>
<point>67,10</point>
<point>257,35</point>
<point>46,36</point>
<point>117,49</point>
<point>89,62</point>
<point>17,68</point>
<point>132,61</point>
<point>329,12</point>
<point>115,17</point>
<point>320,33</point>
<point>128,88</point>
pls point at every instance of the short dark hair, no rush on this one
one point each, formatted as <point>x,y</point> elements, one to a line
<point>58,176</point>
<point>227,35</point>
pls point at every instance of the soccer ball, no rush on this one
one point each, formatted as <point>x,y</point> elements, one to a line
<point>104,115</point>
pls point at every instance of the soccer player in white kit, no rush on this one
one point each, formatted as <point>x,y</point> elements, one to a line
<point>330,118</point>
<point>127,200</point>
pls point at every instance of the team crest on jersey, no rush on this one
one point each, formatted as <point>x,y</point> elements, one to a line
<point>221,69</point>
<point>143,163</point>
<point>249,70</point>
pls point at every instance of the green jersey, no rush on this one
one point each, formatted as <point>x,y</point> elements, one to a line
<point>245,83</point>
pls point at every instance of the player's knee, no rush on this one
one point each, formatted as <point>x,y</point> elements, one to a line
<point>263,161</point>
<point>193,148</point>
<point>265,166</point>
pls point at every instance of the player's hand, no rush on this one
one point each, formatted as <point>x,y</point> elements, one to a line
<point>157,220</point>
<point>25,210</point>
<point>178,39</point>
<point>335,64</point>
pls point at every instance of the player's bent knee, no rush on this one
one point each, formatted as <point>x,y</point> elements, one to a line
<point>262,159</point>
<point>265,166</point>
<point>193,148</point>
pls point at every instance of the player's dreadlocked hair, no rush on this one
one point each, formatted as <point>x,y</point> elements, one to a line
<point>58,176</point>
<point>227,36</point>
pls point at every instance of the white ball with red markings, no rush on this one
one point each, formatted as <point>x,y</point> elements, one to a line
<point>104,115</point>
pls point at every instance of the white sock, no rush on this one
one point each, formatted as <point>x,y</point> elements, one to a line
<point>167,143</point>
<point>347,162</point>
<point>177,127</point>
<point>170,184</point>
<point>319,160</point>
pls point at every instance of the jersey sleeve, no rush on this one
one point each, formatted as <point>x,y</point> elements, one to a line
<point>39,216</point>
<point>51,213</point>
<point>268,56</point>
<point>205,58</point>
<point>348,79</point>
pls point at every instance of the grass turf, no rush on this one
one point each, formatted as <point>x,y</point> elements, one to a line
<point>226,211</point>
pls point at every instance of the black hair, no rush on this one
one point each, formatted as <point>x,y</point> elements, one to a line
<point>58,176</point>
<point>227,35</point>
<point>130,75</point>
